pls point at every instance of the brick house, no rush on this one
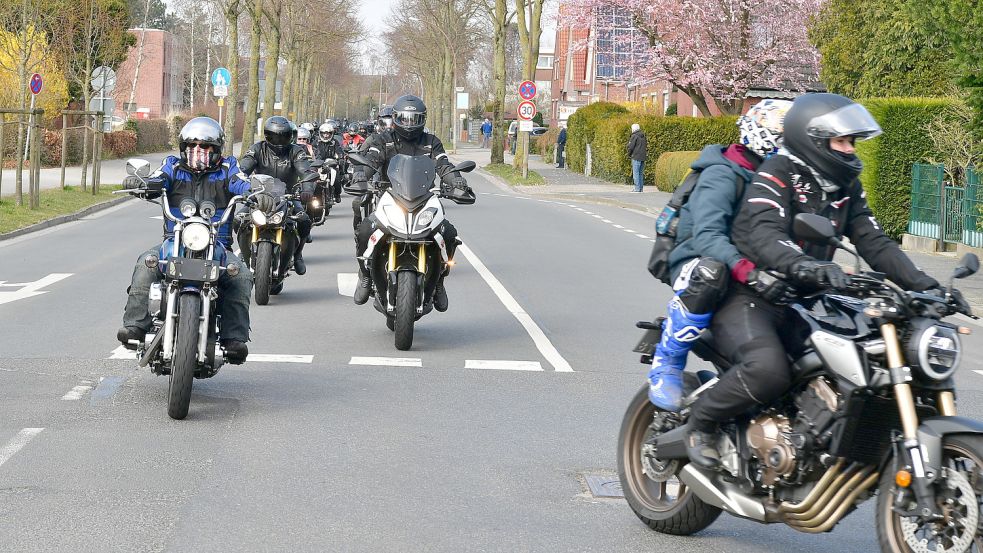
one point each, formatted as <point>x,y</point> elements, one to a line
<point>160,87</point>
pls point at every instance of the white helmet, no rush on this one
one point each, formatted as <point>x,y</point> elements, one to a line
<point>326,131</point>
<point>762,126</point>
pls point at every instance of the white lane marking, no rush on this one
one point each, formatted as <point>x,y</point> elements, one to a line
<point>642,236</point>
<point>76,393</point>
<point>597,216</point>
<point>652,240</point>
<point>347,282</point>
<point>618,226</point>
<point>158,217</point>
<point>628,230</point>
<point>123,353</point>
<point>543,343</point>
<point>388,361</point>
<point>606,221</point>
<point>29,289</point>
<point>17,442</point>
<point>978,372</point>
<point>503,365</point>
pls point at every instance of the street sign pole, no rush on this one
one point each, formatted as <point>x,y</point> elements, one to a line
<point>526,111</point>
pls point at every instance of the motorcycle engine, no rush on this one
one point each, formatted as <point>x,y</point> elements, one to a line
<point>779,443</point>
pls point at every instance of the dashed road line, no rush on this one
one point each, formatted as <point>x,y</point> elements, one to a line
<point>978,372</point>
<point>76,393</point>
<point>641,235</point>
<point>17,442</point>
<point>387,361</point>
<point>123,353</point>
<point>617,226</point>
<point>503,365</point>
<point>543,344</point>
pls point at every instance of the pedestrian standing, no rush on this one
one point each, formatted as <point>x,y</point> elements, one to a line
<point>637,149</point>
<point>486,132</point>
<point>561,144</point>
<point>513,133</point>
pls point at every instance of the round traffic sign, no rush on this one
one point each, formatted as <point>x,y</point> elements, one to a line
<point>103,79</point>
<point>527,90</point>
<point>36,83</point>
<point>526,110</point>
<point>221,77</point>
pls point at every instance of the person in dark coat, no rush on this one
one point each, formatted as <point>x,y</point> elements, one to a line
<point>637,149</point>
<point>561,144</point>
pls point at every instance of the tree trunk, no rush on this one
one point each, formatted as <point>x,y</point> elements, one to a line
<point>191,97</point>
<point>231,101</point>
<point>498,116</point>
<point>136,70</point>
<point>699,100</point>
<point>272,64</point>
<point>252,96</point>
<point>288,84</point>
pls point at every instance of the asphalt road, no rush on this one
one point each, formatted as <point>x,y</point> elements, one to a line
<point>335,456</point>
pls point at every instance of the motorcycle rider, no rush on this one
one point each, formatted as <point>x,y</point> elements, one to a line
<point>277,157</point>
<point>385,120</point>
<point>200,173</point>
<point>703,260</point>
<point>406,137</point>
<point>304,139</point>
<point>816,171</point>
<point>353,140</point>
<point>328,146</point>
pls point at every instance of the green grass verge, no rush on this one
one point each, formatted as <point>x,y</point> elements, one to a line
<point>53,204</point>
<point>513,176</point>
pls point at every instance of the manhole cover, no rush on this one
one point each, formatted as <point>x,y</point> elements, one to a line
<point>604,485</point>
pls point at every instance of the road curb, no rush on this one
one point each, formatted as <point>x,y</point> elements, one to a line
<point>61,219</point>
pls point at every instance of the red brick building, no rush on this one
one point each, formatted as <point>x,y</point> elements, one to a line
<point>160,86</point>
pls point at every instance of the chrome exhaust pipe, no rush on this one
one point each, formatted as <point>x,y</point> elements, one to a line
<point>815,493</point>
<point>843,507</point>
<point>830,507</point>
<point>827,495</point>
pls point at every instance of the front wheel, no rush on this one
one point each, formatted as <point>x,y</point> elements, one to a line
<point>651,486</point>
<point>406,297</point>
<point>958,497</point>
<point>264,273</point>
<point>185,359</point>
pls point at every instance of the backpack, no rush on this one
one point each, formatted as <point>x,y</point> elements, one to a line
<point>668,220</point>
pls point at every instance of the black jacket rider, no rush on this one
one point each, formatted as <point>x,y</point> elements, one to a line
<point>291,168</point>
<point>381,147</point>
<point>328,148</point>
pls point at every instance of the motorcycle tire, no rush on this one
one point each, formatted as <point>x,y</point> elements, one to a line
<point>651,500</point>
<point>406,297</point>
<point>264,272</point>
<point>185,359</point>
<point>964,452</point>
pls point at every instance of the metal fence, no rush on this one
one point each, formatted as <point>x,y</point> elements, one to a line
<point>945,211</point>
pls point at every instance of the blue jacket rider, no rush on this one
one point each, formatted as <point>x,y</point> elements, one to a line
<point>201,173</point>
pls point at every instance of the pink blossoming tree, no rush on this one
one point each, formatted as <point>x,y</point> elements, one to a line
<point>711,50</point>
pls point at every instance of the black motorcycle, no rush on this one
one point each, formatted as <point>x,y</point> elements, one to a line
<point>270,224</point>
<point>871,411</point>
<point>184,342</point>
<point>319,206</point>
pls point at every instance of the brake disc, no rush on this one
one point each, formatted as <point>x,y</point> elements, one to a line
<point>954,534</point>
<point>654,468</point>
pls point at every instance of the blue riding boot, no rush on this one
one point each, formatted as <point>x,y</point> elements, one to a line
<point>680,330</point>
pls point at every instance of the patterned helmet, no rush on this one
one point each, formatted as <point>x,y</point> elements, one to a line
<point>761,127</point>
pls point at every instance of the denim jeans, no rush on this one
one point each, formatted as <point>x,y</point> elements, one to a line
<point>637,174</point>
<point>233,298</point>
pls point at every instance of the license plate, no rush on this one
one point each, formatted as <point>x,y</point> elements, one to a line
<point>197,270</point>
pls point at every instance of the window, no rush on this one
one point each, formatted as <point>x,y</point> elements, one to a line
<point>545,62</point>
<point>618,46</point>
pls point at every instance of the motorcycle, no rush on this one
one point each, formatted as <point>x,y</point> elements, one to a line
<point>411,253</point>
<point>270,223</point>
<point>871,412</point>
<point>320,205</point>
<point>184,342</point>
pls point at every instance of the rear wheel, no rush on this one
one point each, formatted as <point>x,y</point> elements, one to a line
<point>650,485</point>
<point>264,260</point>
<point>185,359</point>
<point>957,496</point>
<point>406,296</point>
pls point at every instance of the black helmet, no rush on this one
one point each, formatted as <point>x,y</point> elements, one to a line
<point>203,131</point>
<point>293,131</point>
<point>385,119</point>
<point>409,117</point>
<point>814,119</point>
<point>278,134</point>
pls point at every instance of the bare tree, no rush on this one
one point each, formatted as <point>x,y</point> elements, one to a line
<point>272,14</point>
<point>255,9</point>
<point>232,10</point>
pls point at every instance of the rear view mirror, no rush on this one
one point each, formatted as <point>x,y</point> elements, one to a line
<point>814,228</point>
<point>465,167</point>
<point>138,167</point>
<point>969,265</point>
<point>359,160</point>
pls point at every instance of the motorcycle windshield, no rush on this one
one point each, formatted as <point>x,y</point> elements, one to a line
<point>411,177</point>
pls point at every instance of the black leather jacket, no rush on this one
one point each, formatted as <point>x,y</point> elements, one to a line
<point>291,169</point>
<point>328,148</point>
<point>381,147</point>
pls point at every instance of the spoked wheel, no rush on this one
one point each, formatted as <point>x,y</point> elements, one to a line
<point>650,485</point>
<point>185,359</point>
<point>958,497</point>
<point>406,297</point>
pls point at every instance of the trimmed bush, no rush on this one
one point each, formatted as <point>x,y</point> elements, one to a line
<point>671,168</point>
<point>545,144</point>
<point>153,135</point>
<point>888,158</point>
<point>580,130</point>
<point>119,144</point>
<point>51,152</point>
<point>174,125</point>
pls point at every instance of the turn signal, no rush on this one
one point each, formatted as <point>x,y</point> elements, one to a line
<point>964,330</point>
<point>151,261</point>
<point>903,478</point>
<point>450,262</point>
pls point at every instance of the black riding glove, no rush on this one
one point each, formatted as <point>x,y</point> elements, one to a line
<point>770,287</point>
<point>131,182</point>
<point>956,299</point>
<point>820,274</point>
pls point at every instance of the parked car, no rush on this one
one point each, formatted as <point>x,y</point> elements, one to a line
<point>537,131</point>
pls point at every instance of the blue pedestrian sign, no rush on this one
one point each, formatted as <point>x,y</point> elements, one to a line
<point>221,77</point>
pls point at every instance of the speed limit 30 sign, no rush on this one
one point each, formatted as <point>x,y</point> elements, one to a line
<point>526,110</point>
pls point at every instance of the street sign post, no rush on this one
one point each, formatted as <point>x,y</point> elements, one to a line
<point>526,110</point>
<point>220,87</point>
<point>35,86</point>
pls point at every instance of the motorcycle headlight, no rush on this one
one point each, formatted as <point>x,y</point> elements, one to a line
<point>934,349</point>
<point>188,207</point>
<point>195,237</point>
<point>259,218</point>
<point>426,217</point>
<point>315,203</point>
<point>277,218</point>
<point>395,213</point>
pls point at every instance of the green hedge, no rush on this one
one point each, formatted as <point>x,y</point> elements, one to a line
<point>581,127</point>
<point>545,144</point>
<point>889,157</point>
<point>663,134</point>
<point>671,167</point>
<point>153,135</point>
<point>174,125</point>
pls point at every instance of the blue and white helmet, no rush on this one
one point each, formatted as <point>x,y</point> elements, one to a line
<point>762,126</point>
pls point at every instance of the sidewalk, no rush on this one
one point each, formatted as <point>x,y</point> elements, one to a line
<point>564,184</point>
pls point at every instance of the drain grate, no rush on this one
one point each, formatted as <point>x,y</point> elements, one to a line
<point>604,485</point>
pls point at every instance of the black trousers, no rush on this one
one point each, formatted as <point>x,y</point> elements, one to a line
<point>746,329</point>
